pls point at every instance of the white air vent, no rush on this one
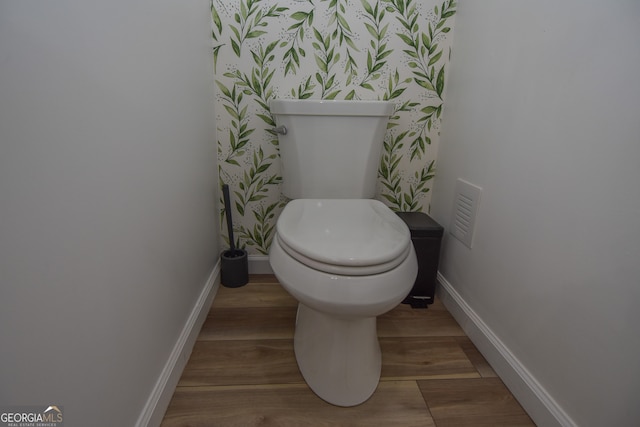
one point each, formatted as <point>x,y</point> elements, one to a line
<point>465,208</point>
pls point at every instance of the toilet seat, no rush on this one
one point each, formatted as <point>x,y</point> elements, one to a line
<point>354,237</point>
<point>342,269</point>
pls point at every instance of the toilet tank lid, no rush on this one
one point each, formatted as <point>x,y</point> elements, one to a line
<point>323,107</point>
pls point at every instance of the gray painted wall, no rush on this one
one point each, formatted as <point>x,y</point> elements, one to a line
<point>108,198</point>
<point>542,112</point>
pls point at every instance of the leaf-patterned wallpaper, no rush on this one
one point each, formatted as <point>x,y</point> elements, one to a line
<point>394,50</point>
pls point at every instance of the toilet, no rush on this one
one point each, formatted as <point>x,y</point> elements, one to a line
<point>345,257</point>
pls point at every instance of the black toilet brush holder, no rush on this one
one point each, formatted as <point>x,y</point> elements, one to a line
<point>234,264</point>
<point>234,268</point>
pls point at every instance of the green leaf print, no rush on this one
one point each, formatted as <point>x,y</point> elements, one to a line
<point>263,230</point>
<point>252,22</point>
<point>326,58</point>
<point>424,51</point>
<point>343,34</point>
<point>380,50</point>
<point>394,88</point>
<point>417,189</point>
<point>255,185</point>
<point>258,82</point>
<point>239,132</point>
<point>216,35</point>
<point>304,91</point>
<point>389,171</point>
<point>295,50</point>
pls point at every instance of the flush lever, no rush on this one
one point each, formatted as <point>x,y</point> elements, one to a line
<point>280,130</point>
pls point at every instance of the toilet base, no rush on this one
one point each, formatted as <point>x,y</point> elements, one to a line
<point>339,358</point>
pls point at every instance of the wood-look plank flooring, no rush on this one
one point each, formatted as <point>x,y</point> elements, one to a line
<point>243,371</point>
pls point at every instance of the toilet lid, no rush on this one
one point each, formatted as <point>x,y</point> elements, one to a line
<point>350,233</point>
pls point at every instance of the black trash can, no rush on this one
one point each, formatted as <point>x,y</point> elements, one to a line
<point>426,235</point>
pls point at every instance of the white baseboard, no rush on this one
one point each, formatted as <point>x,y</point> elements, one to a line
<point>158,401</point>
<point>540,406</point>
<point>259,264</point>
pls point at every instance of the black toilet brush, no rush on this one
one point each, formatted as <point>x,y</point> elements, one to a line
<point>234,264</point>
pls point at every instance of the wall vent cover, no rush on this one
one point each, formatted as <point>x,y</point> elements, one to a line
<point>465,208</point>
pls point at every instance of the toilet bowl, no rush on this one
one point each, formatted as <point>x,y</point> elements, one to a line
<point>346,261</point>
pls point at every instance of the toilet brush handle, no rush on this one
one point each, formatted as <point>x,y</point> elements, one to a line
<point>227,212</point>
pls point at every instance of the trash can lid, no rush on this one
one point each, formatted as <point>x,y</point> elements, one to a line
<point>421,225</point>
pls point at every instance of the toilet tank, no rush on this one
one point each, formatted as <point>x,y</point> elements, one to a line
<point>331,149</point>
